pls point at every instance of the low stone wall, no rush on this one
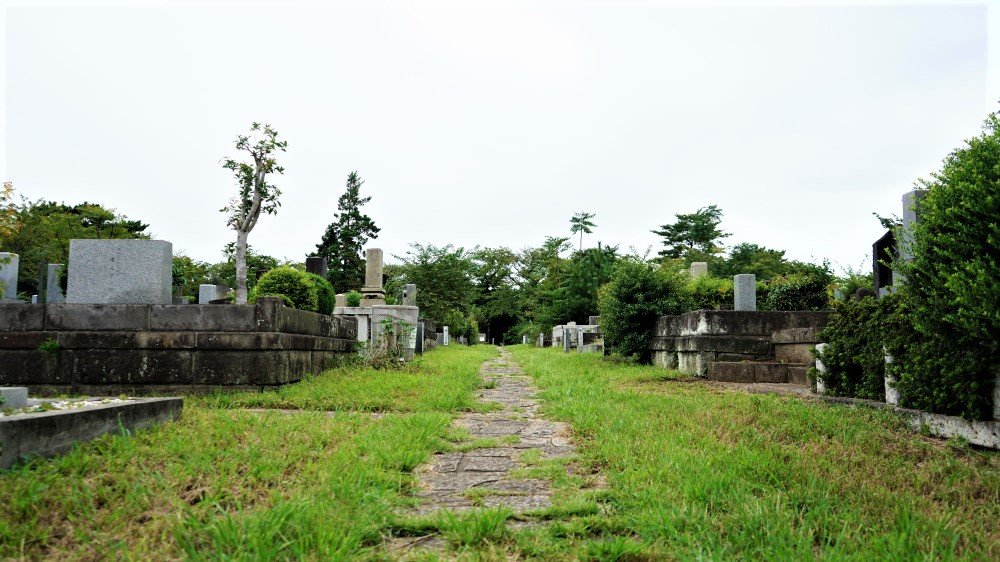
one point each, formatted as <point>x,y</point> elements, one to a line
<point>692,341</point>
<point>166,349</point>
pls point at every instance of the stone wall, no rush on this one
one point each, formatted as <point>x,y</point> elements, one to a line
<point>692,341</point>
<point>166,349</point>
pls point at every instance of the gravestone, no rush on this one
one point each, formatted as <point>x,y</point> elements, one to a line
<point>120,272</point>
<point>745,291</point>
<point>409,295</point>
<point>579,340</point>
<point>14,397</point>
<point>420,339</point>
<point>340,300</point>
<point>699,269</point>
<point>208,293</point>
<point>8,275</point>
<point>53,287</point>
<point>446,338</point>
<point>317,265</point>
<point>883,253</point>
<point>820,369</point>
<point>372,293</point>
<point>911,213</point>
<point>524,339</point>
<point>565,339</point>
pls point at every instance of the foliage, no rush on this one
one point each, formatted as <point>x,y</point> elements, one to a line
<point>797,292</point>
<point>353,298</point>
<point>711,293</point>
<point>224,273</point>
<point>745,257</point>
<point>577,281</point>
<point>8,211</point>
<point>346,236</point>
<point>43,230</point>
<point>497,303</point>
<point>255,195</point>
<point>581,224</point>
<point>444,277</point>
<point>189,275</point>
<point>698,231</point>
<point>325,295</point>
<point>637,294</point>
<point>947,363</point>
<point>854,357</point>
<point>292,283</point>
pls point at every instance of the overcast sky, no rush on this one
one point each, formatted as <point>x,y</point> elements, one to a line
<point>492,123</point>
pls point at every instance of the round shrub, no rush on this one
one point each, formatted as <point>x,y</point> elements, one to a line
<point>797,292</point>
<point>353,298</point>
<point>637,294</point>
<point>325,295</point>
<point>711,293</point>
<point>291,283</point>
<point>948,361</point>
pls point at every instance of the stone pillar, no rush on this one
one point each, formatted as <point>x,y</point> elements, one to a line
<point>579,340</point>
<point>524,339</point>
<point>419,349</point>
<point>891,394</point>
<point>699,269</point>
<point>541,339</point>
<point>745,291</point>
<point>410,295</point>
<point>372,293</point>
<point>911,213</point>
<point>8,275</point>
<point>565,338</point>
<point>820,368</point>
<point>317,265</point>
<point>53,289</point>
<point>447,338</point>
<point>340,300</point>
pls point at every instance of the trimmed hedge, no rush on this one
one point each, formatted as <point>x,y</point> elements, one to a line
<point>711,293</point>
<point>291,284</point>
<point>796,292</point>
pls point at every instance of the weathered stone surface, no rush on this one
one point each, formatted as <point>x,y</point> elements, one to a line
<point>120,272</point>
<point>793,353</point>
<point>726,371</point>
<point>90,317</point>
<point>127,340</point>
<point>13,397</point>
<point>208,293</point>
<point>25,367</point>
<point>21,317</point>
<point>238,367</point>
<point>745,291</point>
<point>797,335</point>
<point>121,366</point>
<point>53,289</point>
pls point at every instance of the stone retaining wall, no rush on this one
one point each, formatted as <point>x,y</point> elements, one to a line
<point>164,349</point>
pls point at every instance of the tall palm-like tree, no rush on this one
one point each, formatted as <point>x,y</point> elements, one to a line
<point>581,223</point>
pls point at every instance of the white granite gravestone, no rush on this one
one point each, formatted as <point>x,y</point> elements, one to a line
<point>208,293</point>
<point>699,269</point>
<point>120,272</point>
<point>745,291</point>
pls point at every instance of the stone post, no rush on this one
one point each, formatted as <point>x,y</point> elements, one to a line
<point>891,394</point>
<point>745,291</point>
<point>911,213</point>
<point>53,290</point>
<point>447,338</point>
<point>821,368</point>
<point>699,269</point>
<point>419,350</point>
<point>372,293</point>
<point>524,339</point>
<point>410,295</point>
<point>565,338</point>
<point>8,275</point>
<point>579,340</point>
<point>340,300</point>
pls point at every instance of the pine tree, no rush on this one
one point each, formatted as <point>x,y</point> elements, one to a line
<point>694,232</point>
<point>345,238</point>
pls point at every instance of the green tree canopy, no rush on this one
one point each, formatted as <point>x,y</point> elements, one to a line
<point>581,224</point>
<point>345,238</point>
<point>444,276</point>
<point>693,232</point>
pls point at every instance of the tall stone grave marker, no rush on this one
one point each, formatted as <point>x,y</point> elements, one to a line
<point>53,289</point>
<point>447,338</point>
<point>317,265</point>
<point>409,295</point>
<point>420,339</point>
<point>372,293</point>
<point>8,275</point>
<point>120,272</point>
<point>911,213</point>
<point>699,269</point>
<point>745,291</point>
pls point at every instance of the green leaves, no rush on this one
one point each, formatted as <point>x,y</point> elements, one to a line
<point>698,231</point>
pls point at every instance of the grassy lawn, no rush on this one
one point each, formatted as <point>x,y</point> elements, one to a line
<point>225,483</point>
<point>697,473</point>
<point>667,469</point>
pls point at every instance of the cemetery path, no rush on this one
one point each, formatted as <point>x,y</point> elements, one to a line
<point>487,477</point>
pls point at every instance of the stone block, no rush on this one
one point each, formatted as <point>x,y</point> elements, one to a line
<point>25,340</point>
<point>316,265</point>
<point>770,372</point>
<point>241,367</point>
<point>409,295</point>
<point>794,353</point>
<point>203,317</point>
<point>13,397</point>
<point>726,371</point>
<point>127,340</point>
<point>808,335</point>
<point>27,367</point>
<point>208,293</point>
<point>21,317</point>
<point>89,317</point>
<point>8,275</point>
<point>120,272</point>
<point>132,366</point>
<point>745,291</point>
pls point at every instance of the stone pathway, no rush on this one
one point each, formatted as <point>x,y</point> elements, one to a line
<point>482,477</point>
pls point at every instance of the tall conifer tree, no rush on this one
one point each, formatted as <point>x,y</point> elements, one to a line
<point>346,237</point>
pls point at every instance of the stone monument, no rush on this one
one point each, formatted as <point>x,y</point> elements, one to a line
<point>120,272</point>
<point>699,269</point>
<point>745,291</point>
<point>53,289</point>
<point>340,300</point>
<point>208,293</point>
<point>409,295</point>
<point>317,265</point>
<point>372,293</point>
<point>8,276</point>
<point>446,339</point>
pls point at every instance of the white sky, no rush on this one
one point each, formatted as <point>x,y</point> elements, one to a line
<point>492,123</point>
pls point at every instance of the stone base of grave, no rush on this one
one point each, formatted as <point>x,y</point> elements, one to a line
<point>754,346</point>
<point>161,349</point>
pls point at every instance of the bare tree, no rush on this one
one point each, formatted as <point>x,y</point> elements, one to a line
<point>256,195</point>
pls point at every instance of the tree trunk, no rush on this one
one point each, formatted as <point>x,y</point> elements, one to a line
<point>241,267</point>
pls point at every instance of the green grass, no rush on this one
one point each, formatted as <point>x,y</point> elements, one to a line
<point>695,473</point>
<point>224,483</point>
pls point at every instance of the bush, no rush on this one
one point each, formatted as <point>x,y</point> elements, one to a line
<point>854,358</point>
<point>711,293</point>
<point>325,295</point>
<point>797,292</point>
<point>947,362</point>
<point>291,283</point>
<point>630,303</point>
<point>353,298</point>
